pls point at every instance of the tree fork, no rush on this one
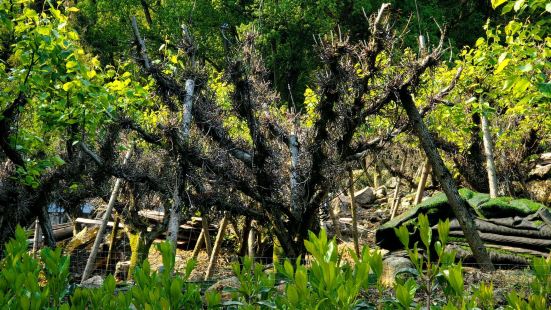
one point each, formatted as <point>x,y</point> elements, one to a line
<point>459,206</point>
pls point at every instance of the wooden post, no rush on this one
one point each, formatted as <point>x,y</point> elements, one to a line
<point>376,177</point>
<point>422,183</point>
<point>106,215</point>
<point>250,242</point>
<point>37,235</point>
<point>353,209</point>
<point>216,249</point>
<point>396,199</point>
<point>335,219</point>
<point>198,244</point>
<point>206,234</point>
<point>112,239</point>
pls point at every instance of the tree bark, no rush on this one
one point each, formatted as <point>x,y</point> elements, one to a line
<point>489,153</point>
<point>174,221</point>
<point>46,226</point>
<point>146,12</point>
<point>443,175</point>
<point>106,216</point>
<point>244,237</point>
<point>422,183</point>
<point>216,249</point>
<point>353,209</point>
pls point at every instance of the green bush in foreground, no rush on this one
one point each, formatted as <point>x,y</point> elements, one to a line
<point>327,282</point>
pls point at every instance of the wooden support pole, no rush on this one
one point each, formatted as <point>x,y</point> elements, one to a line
<point>251,241</point>
<point>335,218</point>
<point>198,244</point>
<point>216,249</point>
<point>353,209</point>
<point>206,234</point>
<point>37,236</point>
<point>106,216</point>
<point>396,199</point>
<point>422,183</point>
<point>112,239</point>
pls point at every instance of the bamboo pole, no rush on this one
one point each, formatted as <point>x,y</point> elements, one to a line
<point>216,249</point>
<point>106,215</point>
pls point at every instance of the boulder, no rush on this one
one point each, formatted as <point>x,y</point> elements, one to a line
<point>392,265</point>
<point>93,282</point>
<point>380,192</point>
<point>363,197</point>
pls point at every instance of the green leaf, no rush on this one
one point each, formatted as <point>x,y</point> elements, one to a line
<point>518,5</point>
<point>496,3</point>
<point>545,89</point>
<point>502,66</point>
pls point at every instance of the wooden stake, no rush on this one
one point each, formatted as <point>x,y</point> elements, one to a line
<point>112,239</point>
<point>198,244</point>
<point>335,220</point>
<point>422,183</point>
<point>216,249</point>
<point>397,197</point>
<point>37,235</point>
<point>353,209</point>
<point>206,234</point>
<point>250,241</point>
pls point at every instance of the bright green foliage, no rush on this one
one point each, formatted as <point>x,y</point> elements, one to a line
<point>60,84</point>
<point>56,267</point>
<point>100,298</point>
<point>539,299</point>
<point>327,283</point>
<point>177,292</point>
<point>257,287</point>
<point>432,272</point>
<point>505,76</point>
<point>20,276</point>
